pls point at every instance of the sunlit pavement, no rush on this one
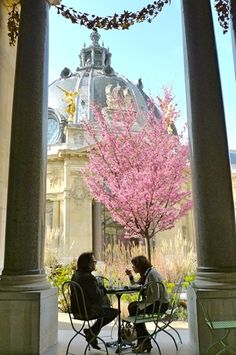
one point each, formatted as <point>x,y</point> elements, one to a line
<point>166,344</point>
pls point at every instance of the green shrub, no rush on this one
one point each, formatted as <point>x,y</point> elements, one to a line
<point>57,275</point>
<point>182,313</point>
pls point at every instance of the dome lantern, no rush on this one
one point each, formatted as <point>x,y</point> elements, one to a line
<point>95,56</point>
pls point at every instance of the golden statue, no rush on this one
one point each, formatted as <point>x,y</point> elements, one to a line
<point>70,97</point>
<point>170,128</point>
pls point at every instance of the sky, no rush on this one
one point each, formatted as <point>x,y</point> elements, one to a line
<point>150,51</point>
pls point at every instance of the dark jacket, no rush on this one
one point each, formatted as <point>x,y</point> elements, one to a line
<point>95,295</point>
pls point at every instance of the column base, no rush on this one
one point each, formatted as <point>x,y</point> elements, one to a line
<point>30,325</point>
<point>23,283</point>
<point>221,304</point>
<point>215,280</point>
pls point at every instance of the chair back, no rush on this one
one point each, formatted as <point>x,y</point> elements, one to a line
<point>170,315</point>
<point>150,291</point>
<point>76,308</point>
<point>176,296</point>
<point>75,300</point>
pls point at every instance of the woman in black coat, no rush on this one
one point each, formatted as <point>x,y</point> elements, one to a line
<point>96,300</point>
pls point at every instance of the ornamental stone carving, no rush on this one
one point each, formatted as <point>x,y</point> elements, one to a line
<point>78,190</point>
<point>54,179</point>
<point>117,93</point>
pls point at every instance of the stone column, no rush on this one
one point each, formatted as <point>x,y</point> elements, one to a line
<point>97,230</point>
<point>31,325</point>
<point>26,188</point>
<point>212,187</point>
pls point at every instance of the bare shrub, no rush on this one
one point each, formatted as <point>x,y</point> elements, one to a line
<point>174,258</point>
<point>53,250</point>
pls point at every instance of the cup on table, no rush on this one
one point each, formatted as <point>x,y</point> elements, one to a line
<point>110,283</point>
<point>119,283</point>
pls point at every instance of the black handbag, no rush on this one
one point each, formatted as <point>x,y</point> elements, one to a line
<point>128,332</point>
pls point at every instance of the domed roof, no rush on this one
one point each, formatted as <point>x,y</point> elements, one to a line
<point>93,82</point>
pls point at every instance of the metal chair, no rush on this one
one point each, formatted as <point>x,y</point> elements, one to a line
<point>105,282</point>
<point>79,318</point>
<point>214,326</point>
<point>142,316</point>
<point>171,315</point>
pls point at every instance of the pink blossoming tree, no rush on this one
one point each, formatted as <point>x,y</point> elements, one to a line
<point>139,172</point>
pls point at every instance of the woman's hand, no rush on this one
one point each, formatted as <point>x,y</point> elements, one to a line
<point>128,272</point>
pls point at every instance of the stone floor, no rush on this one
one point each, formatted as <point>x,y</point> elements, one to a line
<point>78,345</point>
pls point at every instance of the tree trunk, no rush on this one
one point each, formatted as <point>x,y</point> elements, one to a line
<point>148,245</point>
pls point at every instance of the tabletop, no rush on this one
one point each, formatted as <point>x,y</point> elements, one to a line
<point>123,289</point>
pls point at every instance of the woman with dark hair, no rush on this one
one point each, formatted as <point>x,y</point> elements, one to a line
<point>97,302</point>
<point>143,267</point>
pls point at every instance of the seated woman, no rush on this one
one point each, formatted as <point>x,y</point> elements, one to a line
<point>97,302</point>
<point>147,273</point>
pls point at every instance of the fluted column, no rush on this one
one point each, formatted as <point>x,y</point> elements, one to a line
<point>212,187</point>
<point>24,246</point>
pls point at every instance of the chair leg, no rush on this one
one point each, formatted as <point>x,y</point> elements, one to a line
<point>158,347</point>
<point>165,331</point>
<point>211,347</point>
<point>176,331</point>
<point>224,350</point>
<point>86,348</point>
<point>115,323</point>
<point>103,344</point>
<point>68,346</point>
<point>217,344</point>
<point>221,343</point>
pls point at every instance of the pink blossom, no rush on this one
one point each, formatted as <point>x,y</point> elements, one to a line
<point>139,172</point>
